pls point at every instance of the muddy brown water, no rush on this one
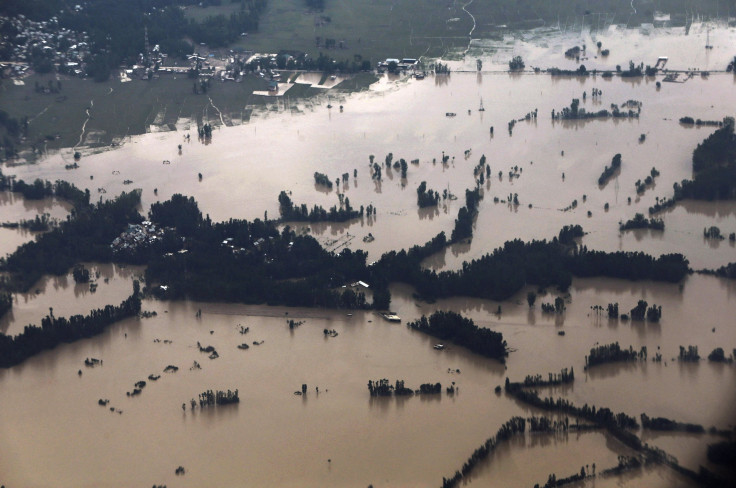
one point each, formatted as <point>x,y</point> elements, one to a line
<point>55,434</point>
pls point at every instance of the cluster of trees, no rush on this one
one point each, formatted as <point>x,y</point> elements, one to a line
<point>661,423</point>
<point>466,215</point>
<point>441,69</point>
<point>41,189</point>
<point>640,222</point>
<point>610,353</point>
<point>85,237</point>
<point>80,274</point>
<point>383,388</point>
<point>516,63</point>
<point>718,356</point>
<point>54,331</point>
<point>641,186</point>
<point>689,354</point>
<point>557,307</point>
<point>6,302</point>
<point>569,233</point>
<point>261,265</point>
<point>502,273</point>
<point>462,331</point>
<point>628,265</point>
<point>714,165</point>
<point>211,398</point>
<point>641,311</point>
<point>294,213</point>
<point>574,112</point>
<point>634,71</point>
<point>553,379</point>
<point>580,71</point>
<point>205,131</point>
<point>553,481</point>
<point>322,179</point>
<point>687,120</point>
<point>727,271</point>
<point>426,198</point>
<point>609,171</point>
<point>715,158</point>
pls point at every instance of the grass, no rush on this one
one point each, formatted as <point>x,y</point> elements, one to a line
<point>359,82</point>
<point>378,29</point>
<point>202,13</point>
<point>121,109</point>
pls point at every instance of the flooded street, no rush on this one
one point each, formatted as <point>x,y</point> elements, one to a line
<point>56,434</point>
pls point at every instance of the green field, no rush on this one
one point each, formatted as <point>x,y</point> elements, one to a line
<point>120,109</point>
<point>377,29</point>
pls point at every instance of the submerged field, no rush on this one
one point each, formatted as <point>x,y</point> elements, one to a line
<point>55,433</point>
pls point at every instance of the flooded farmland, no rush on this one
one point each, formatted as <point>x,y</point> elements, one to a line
<point>56,434</point>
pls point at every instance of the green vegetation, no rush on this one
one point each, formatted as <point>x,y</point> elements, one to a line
<point>300,213</point>
<point>466,216</point>
<point>553,379</point>
<point>575,112</point>
<point>462,331</point>
<point>382,388</point>
<point>426,198</point>
<point>610,353</point>
<point>6,302</point>
<point>689,354</point>
<point>322,179</point>
<point>211,398</point>
<point>640,222</point>
<point>718,356</point>
<point>714,168</point>
<point>516,63</point>
<point>86,237</point>
<point>609,171</point>
<point>641,186</point>
<point>661,423</point>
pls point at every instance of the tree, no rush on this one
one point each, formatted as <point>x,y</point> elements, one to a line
<point>516,64</point>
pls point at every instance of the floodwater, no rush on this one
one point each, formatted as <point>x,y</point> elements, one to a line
<point>109,284</point>
<point>14,209</point>
<point>251,164</point>
<point>55,434</point>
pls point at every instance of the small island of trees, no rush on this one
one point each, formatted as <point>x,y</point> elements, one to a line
<point>462,331</point>
<point>300,213</point>
<point>608,171</point>
<point>641,222</point>
<point>426,198</point>
<point>610,353</point>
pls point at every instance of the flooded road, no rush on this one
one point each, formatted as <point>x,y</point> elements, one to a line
<point>55,433</point>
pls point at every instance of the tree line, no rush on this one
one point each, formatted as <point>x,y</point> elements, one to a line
<point>57,330</point>
<point>462,331</point>
<point>291,212</point>
<point>609,353</point>
<point>84,237</point>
